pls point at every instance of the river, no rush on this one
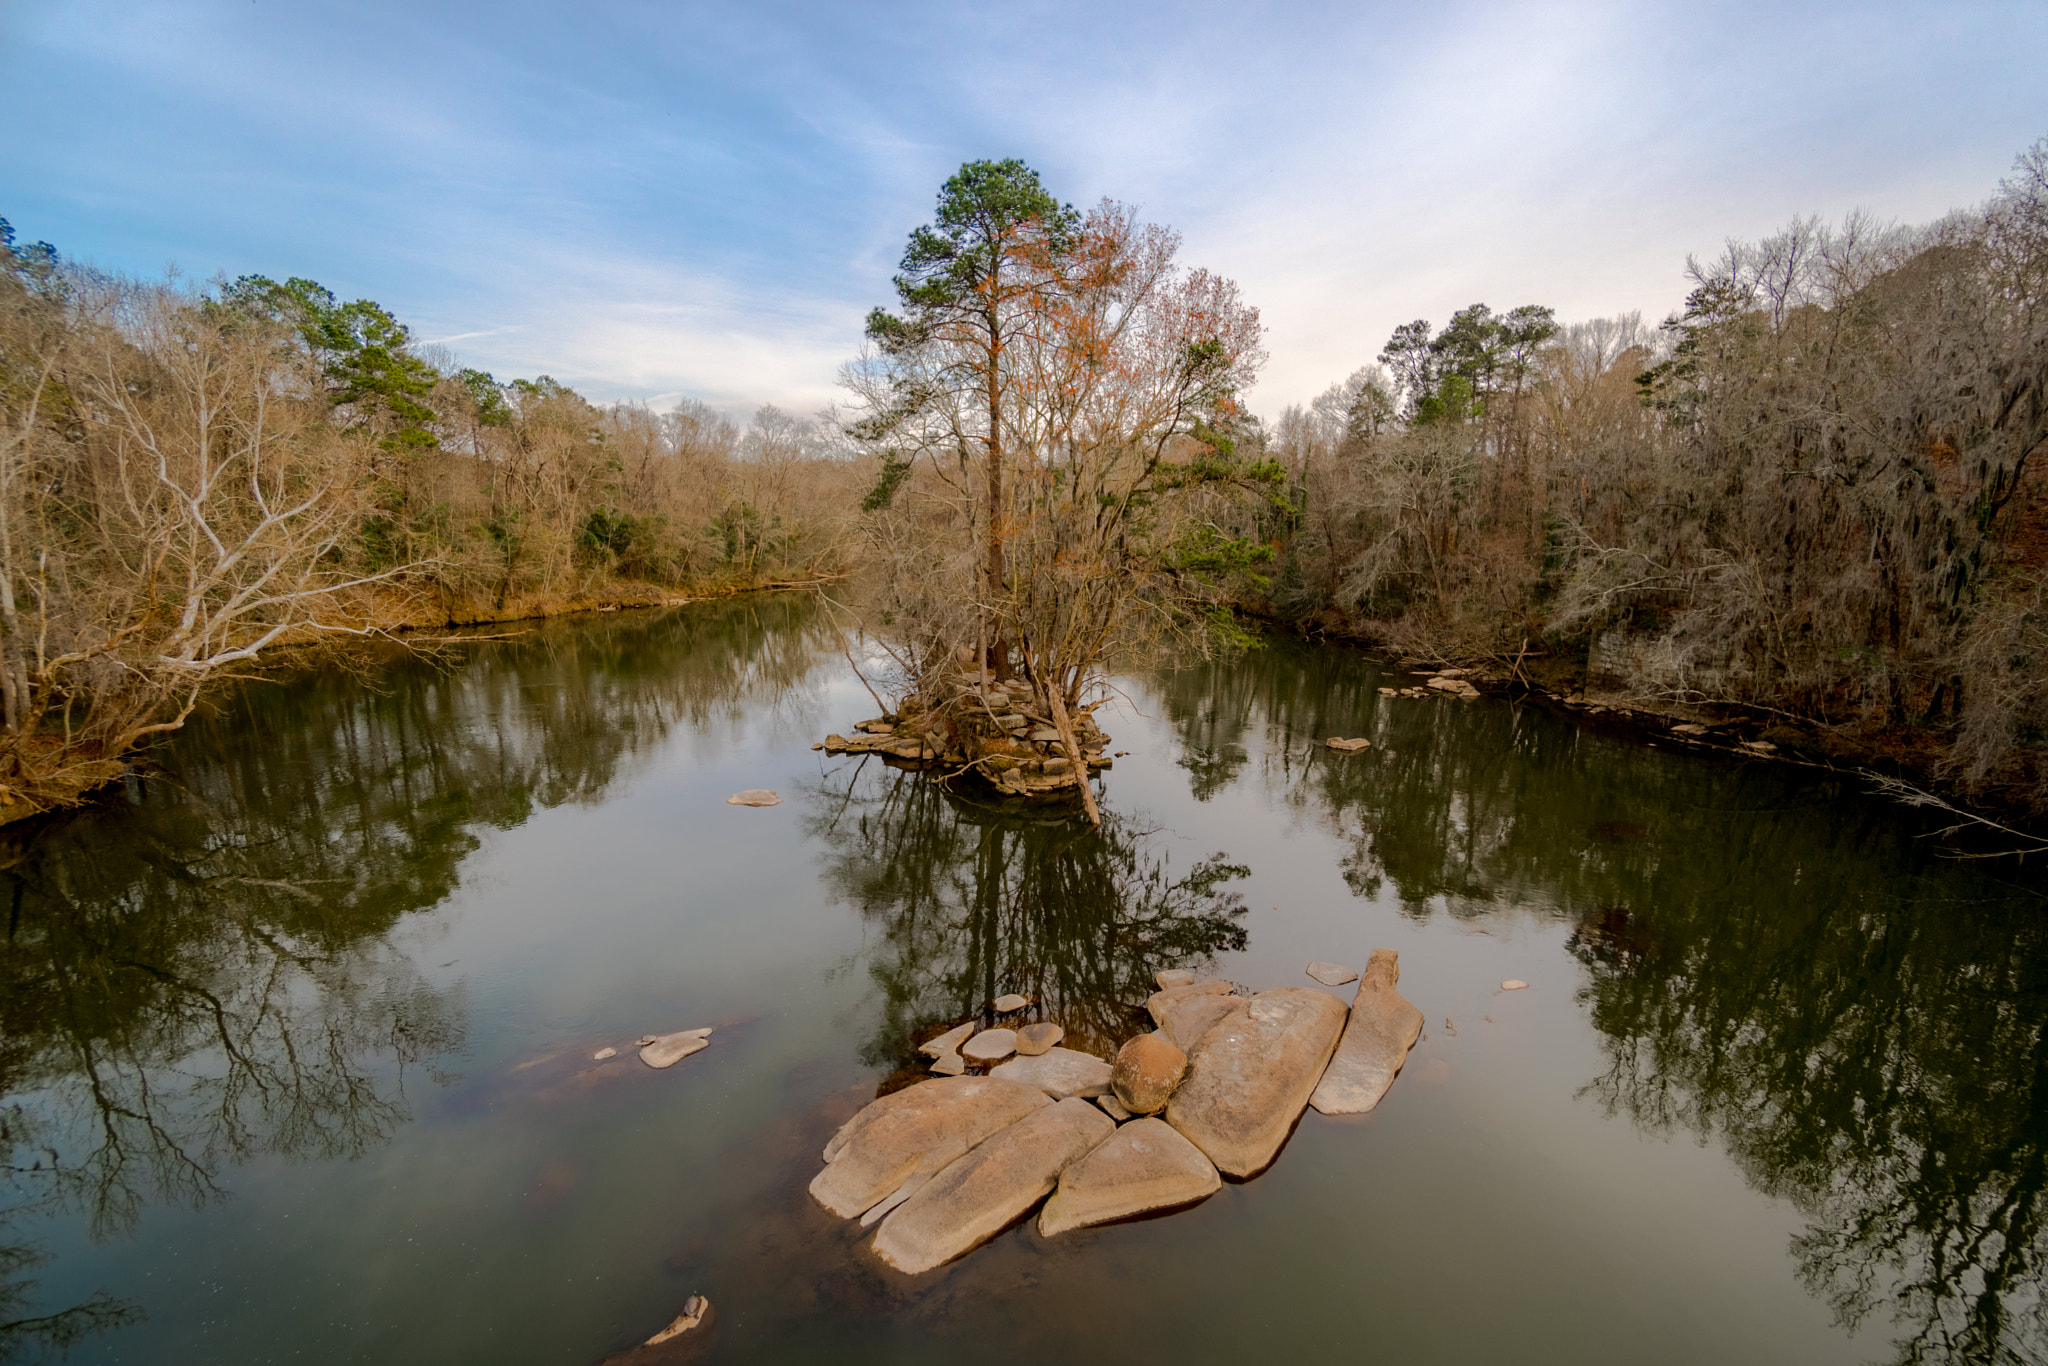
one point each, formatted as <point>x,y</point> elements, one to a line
<point>296,1032</point>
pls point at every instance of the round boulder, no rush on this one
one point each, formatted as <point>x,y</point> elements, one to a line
<point>1145,1072</point>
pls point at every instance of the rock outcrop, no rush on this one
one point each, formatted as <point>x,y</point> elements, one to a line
<point>1251,1075</point>
<point>981,1192</point>
<point>1143,1166</point>
<point>1382,1028</point>
<point>914,1133</point>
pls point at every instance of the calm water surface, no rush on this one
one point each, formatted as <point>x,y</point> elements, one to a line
<point>296,1039</point>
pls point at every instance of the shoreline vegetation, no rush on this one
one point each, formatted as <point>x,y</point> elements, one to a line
<point>1810,506</point>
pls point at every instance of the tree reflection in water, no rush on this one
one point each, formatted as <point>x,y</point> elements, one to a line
<point>1774,962</point>
<point>207,972</point>
<point>972,902</point>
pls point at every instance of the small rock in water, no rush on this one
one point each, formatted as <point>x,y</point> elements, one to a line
<point>1034,1039</point>
<point>989,1045</point>
<point>947,1042</point>
<point>601,1054</point>
<point>1173,977</point>
<point>1347,746</point>
<point>1390,692</point>
<point>667,1050</point>
<point>754,796</point>
<point>1003,1005</point>
<point>1146,1071</point>
<point>1514,984</point>
<point>694,1310</point>
<point>1332,974</point>
<point>643,1041</point>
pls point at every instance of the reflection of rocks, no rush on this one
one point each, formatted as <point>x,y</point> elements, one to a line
<point>1381,1030</point>
<point>1251,1076</point>
<point>981,1193</point>
<point>1143,1166</point>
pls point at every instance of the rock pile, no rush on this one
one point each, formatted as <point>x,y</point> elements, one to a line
<point>1214,1090</point>
<point>1007,734</point>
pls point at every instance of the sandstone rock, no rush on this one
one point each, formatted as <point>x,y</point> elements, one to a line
<point>601,1054</point>
<point>877,727</point>
<point>1347,746</point>
<point>1143,1166</point>
<point>835,743</point>
<point>1168,978</point>
<point>1059,1072</point>
<point>1159,1000</point>
<point>1146,1071</point>
<point>1185,1021</point>
<point>1003,1005</point>
<point>948,1042</point>
<point>1332,974</point>
<point>666,1050</point>
<point>948,1065</point>
<point>1514,984</point>
<point>1058,765</point>
<point>643,1041</point>
<point>915,1132</point>
<point>1251,1075</point>
<point>754,796</point>
<point>1456,687</point>
<point>981,1192</point>
<point>989,1045</point>
<point>1034,1039</point>
<point>695,1310</point>
<point>1113,1107</point>
<point>1390,692</point>
<point>1382,1028</point>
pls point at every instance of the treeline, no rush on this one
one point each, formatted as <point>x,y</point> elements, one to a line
<point>1816,494</point>
<point>190,477</point>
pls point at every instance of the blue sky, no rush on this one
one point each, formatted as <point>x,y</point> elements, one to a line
<point>661,201</point>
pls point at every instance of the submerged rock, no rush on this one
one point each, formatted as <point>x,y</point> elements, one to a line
<point>666,1050</point>
<point>979,1193</point>
<point>990,1045</point>
<point>1146,1071</point>
<point>1332,974</point>
<point>1059,1072</point>
<point>1143,1166</point>
<point>914,1133</point>
<point>1034,1039</point>
<point>754,796</point>
<point>1382,1028</point>
<point>1251,1075</point>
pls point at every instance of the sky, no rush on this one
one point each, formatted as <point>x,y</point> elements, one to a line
<point>679,201</point>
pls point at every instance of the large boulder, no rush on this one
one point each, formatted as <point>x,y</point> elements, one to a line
<point>1143,1166</point>
<point>981,1192</point>
<point>1187,1019</point>
<point>1145,1072</point>
<point>1059,1072</point>
<point>1251,1076</point>
<point>912,1134</point>
<point>1382,1028</point>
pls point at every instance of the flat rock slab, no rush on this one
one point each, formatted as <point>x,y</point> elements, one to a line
<point>754,796</point>
<point>1514,984</point>
<point>1003,1005</point>
<point>1059,1073</point>
<point>989,1045</point>
<point>1159,1000</point>
<point>1034,1039</point>
<point>1185,1021</point>
<point>1173,977</point>
<point>666,1050</point>
<point>914,1133</point>
<point>948,1042</point>
<point>1332,974</point>
<point>983,1191</point>
<point>1343,746</point>
<point>1251,1075</point>
<point>1382,1028</point>
<point>1143,1166</point>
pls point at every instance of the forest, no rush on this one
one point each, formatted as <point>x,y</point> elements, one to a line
<point>1813,497</point>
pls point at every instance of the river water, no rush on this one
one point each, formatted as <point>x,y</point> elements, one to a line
<point>296,1035</point>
